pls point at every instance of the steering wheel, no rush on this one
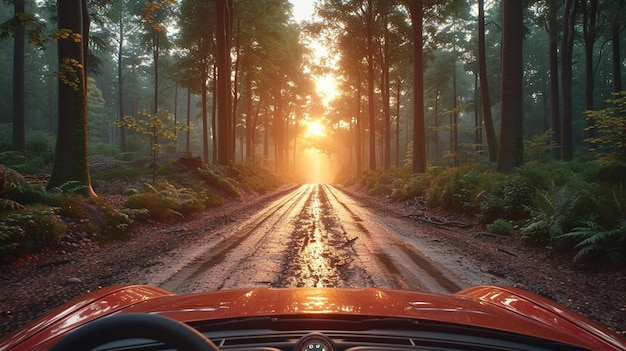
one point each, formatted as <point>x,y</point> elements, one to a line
<point>135,325</point>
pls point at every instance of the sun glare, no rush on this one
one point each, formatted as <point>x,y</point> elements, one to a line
<point>326,87</point>
<point>315,129</point>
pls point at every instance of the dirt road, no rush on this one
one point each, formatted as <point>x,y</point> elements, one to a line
<point>310,235</point>
<point>314,236</point>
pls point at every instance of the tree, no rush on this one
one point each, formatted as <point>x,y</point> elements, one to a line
<point>198,25</point>
<point>224,14</point>
<point>70,162</point>
<point>554,71</point>
<point>616,28</point>
<point>419,131</point>
<point>492,145</point>
<point>590,16</point>
<point>511,130</point>
<point>567,45</point>
<point>19,130</point>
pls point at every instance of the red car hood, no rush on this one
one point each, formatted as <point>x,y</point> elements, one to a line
<point>506,309</point>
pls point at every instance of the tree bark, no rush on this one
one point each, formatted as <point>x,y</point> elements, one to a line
<point>71,162</point>
<point>567,44</point>
<point>511,131</point>
<point>485,97</point>
<point>224,108</point>
<point>370,85</point>
<point>555,124</point>
<point>19,129</point>
<point>416,9</point>
<point>358,118</point>
<point>616,53</point>
<point>589,34</point>
<point>120,86</point>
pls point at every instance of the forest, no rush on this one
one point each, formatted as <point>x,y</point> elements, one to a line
<point>509,111</point>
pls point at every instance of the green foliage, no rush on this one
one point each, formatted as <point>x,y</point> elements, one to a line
<point>609,127</point>
<point>67,188</point>
<point>218,181</point>
<point>457,189</point>
<point>541,147</point>
<point>6,135</point>
<point>163,200</point>
<point>158,126</point>
<point>103,149</point>
<point>596,241</point>
<point>119,172</point>
<point>414,186</point>
<point>16,191</point>
<point>12,159</point>
<point>507,197</point>
<point>501,227</point>
<point>553,211</point>
<point>29,230</point>
<point>258,179</point>
<point>40,144</point>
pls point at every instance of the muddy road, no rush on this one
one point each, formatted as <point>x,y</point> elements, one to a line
<point>314,236</point>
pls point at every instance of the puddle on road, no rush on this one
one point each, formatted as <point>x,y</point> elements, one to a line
<point>318,257</point>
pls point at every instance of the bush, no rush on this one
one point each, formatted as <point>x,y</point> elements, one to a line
<point>16,191</point>
<point>509,197</point>
<point>40,144</point>
<point>164,200</point>
<point>594,241</point>
<point>30,230</point>
<point>456,189</point>
<point>501,227</point>
<point>12,158</point>
<point>258,179</point>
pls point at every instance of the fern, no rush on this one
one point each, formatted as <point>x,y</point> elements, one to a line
<point>9,205</point>
<point>67,188</point>
<point>593,238</point>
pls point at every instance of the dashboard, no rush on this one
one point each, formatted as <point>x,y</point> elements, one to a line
<point>338,333</point>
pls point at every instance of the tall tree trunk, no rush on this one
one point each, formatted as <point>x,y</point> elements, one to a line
<point>478,123</point>
<point>511,131</point>
<point>156,35</point>
<point>386,91</point>
<point>485,97</point>
<point>71,160</point>
<point>386,115</point>
<point>214,117</point>
<point>370,85</point>
<point>188,131</point>
<point>567,44</point>
<point>398,95</point>
<point>358,117</point>
<point>224,108</point>
<point>249,128</point>
<point>416,9</point>
<point>19,129</point>
<point>589,34</point>
<point>454,119</point>
<point>553,34</point>
<point>120,85</point>
<point>205,117</point>
<point>436,115</point>
<point>616,53</point>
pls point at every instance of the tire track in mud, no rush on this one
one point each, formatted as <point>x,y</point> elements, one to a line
<point>315,236</point>
<point>320,253</point>
<point>214,254</point>
<point>403,265</point>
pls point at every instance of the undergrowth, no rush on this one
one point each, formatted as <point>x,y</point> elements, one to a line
<point>33,219</point>
<point>573,207</point>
